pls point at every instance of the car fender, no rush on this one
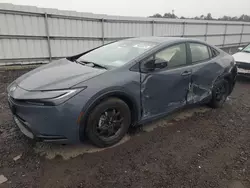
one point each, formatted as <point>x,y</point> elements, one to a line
<point>119,92</point>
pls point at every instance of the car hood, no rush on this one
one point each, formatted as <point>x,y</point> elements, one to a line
<point>242,57</point>
<point>60,74</point>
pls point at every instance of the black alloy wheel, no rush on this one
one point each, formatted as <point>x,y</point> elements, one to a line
<point>108,122</point>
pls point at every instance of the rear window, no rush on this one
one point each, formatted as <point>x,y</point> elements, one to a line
<point>199,52</point>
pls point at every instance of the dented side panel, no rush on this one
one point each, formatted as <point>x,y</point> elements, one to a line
<point>163,91</point>
<point>202,79</point>
<point>166,90</point>
<point>204,76</point>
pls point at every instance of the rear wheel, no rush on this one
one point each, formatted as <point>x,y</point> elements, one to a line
<point>219,93</point>
<point>108,122</point>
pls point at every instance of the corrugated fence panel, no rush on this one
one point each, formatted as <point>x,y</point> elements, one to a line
<point>246,29</point>
<point>74,28</point>
<point>199,38</point>
<point>232,39</point>
<point>192,29</point>
<point>215,40</point>
<point>62,48</point>
<point>116,29</point>
<point>22,25</point>
<point>163,29</point>
<point>233,29</point>
<point>23,48</point>
<point>216,29</point>
<point>246,38</point>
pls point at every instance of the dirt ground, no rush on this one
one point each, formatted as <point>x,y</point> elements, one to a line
<point>197,147</point>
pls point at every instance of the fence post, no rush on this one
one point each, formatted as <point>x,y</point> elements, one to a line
<point>206,31</point>
<point>224,35</point>
<point>241,34</point>
<point>183,29</point>
<point>153,28</point>
<point>47,33</point>
<point>103,31</point>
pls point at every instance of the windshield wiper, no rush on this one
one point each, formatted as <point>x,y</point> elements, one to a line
<point>79,62</point>
<point>91,63</point>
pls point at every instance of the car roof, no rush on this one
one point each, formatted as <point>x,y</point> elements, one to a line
<point>162,40</point>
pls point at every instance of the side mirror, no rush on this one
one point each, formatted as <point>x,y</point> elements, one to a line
<point>149,65</point>
<point>154,63</point>
<point>160,63</point>
<point>240,48</point>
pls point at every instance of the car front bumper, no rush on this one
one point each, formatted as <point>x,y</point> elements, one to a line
<point>243,72</point>
<point>47,123</point>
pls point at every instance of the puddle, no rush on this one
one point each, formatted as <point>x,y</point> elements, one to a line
<point>50,151</point>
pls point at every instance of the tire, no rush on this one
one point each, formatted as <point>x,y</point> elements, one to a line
<point>216,101</point>
<point>105,118</point>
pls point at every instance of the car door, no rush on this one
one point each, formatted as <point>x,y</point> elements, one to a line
<point>205,69</point>
<point>165,89</point>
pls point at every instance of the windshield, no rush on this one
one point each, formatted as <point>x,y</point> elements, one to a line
<point>118,53</point>
<point>247,49</point>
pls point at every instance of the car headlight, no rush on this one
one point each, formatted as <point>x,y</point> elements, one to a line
<point>12,87</point>
<point>49,98</point>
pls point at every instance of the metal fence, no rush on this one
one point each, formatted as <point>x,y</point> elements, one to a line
<point>34,35</point>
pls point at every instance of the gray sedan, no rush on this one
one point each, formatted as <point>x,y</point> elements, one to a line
<point>100,93</point>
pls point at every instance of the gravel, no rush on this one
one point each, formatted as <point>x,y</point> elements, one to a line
<point>209,148</point>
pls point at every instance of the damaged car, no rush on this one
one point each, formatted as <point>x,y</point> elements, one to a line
<point>99,94</point>
<point>242,59</point>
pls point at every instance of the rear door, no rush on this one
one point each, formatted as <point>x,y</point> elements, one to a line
<point>205,70</point>
<point>165,89</point>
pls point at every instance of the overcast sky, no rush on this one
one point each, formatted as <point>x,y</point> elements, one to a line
<point>187,8</point>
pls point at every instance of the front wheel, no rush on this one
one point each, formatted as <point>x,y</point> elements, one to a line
<point>108,122</point>
<point>219,93</point>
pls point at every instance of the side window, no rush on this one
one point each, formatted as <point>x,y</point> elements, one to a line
<point>199,52</point>
<point>174,55</point>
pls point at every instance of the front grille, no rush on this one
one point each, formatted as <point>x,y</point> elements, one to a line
<point>243,65</point>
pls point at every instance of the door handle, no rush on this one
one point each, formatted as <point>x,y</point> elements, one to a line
<point>186,73</point>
